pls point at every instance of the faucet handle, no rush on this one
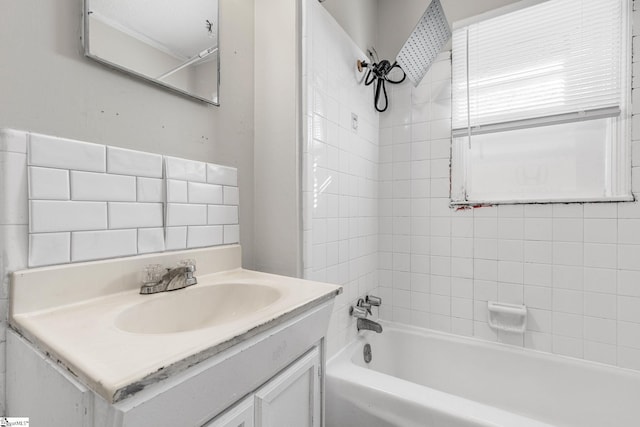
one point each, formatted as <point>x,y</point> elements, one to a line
<point>189,264</point>
<point>374,300</point>
<point>364,304</point>
<point>153,273</point>
<point>358,312</point>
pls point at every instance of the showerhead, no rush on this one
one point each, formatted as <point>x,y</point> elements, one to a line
<point>428,38</point>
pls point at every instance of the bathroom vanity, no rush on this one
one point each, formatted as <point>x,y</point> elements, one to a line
<point>240,348</point>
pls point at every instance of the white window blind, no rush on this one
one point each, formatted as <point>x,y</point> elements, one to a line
<point>540,104</point>
<point>555,58</point>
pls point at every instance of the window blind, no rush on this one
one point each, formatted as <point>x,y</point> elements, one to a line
<point>558,61</point>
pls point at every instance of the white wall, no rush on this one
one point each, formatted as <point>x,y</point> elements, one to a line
<point>277,137</point>
<point>48,86</point>
<point>358,18</point>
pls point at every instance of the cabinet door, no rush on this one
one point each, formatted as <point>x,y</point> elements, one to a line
<point>292,399</point>
<point>240,415</point>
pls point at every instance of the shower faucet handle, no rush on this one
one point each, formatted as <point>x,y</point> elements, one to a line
<point>358,312</point>
<point>373,300</point>
<point>364,304</point>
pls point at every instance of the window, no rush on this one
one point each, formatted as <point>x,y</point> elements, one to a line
<point>541,105</point>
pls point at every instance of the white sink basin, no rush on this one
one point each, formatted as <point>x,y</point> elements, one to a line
<point>196,308</point>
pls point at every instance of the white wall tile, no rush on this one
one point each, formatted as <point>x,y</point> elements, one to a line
<point>600,305</point>
<point>222,175</point>
<point>185,170</point>
<point>180,214</point>
<point>222,215</point>
<point>89,245</point>
<point>149,190</point>
<point>177,191</point>
<point>102,187</point>
<point>231,196</point>
<point>48,184</point>
<point>200,236</point>
<point>130,162</point>
<point>175,238</point>
<point>231,234</point>
<point>629,309</point>
<point>205,193</point>
<point>13,187</point>
<point>52,216</point>
<point>135,215</point>
<point>151,240</point>
<point>66,153</point>
<point>49,249</point>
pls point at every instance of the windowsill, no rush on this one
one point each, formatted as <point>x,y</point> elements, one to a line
<point>472,203</point>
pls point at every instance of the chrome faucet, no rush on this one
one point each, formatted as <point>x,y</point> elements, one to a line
<point>175,278</point>
<point>362,309</point>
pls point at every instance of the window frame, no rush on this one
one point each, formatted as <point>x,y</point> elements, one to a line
<point>621,177</point>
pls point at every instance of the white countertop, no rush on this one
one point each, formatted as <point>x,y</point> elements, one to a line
<point>83,336</point>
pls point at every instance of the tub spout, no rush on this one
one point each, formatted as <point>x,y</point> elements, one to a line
<point>369,325</point>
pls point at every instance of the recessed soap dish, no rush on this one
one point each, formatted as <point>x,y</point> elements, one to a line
<point>507,317</point>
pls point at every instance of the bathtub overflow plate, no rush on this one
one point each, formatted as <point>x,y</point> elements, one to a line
<point>366,352</point>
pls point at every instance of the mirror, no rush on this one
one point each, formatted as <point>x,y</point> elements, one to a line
<point>173,43</point>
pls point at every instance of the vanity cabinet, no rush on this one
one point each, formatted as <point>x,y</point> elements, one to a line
<point>273,379</point>
<point>291,399</point>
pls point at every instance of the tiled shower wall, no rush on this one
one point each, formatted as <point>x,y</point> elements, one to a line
<point>340,168</point>
<point>575,266</point>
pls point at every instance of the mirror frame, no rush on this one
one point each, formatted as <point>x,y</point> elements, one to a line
<point>86,41</point>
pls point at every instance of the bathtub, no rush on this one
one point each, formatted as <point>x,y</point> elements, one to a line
<point>422,378</point>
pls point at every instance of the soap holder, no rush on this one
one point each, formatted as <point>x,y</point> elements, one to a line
<point>507,317</point>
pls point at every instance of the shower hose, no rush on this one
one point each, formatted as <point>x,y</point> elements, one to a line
<point>380,74</point>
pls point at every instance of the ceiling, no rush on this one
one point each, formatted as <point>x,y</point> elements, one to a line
<point>176,26</point>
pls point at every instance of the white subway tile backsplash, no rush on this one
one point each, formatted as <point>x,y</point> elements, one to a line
<point>186,214</point>
<point>135,215</point>
<point>175,238</point>
<point>185,170</point>
<point>48,184</point>
<point>52,216</point>
<point>89,245</point>
<point>222,215</point>
<point>177,191</point>
<point>231,196</point>
<point>201,236</point>
<point>150,240</point>
<point>62,153</point>
<point>149,190</point>
<point>231,234</point>
<point>222,175</point>
<point>204,193</point>
<point>49,249</point>
<point>136,163</point>
<point>102,187</point>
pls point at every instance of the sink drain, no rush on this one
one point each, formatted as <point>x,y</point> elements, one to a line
<point>366,352</point>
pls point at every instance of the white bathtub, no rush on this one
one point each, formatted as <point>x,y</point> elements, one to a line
<point>424,378</point>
